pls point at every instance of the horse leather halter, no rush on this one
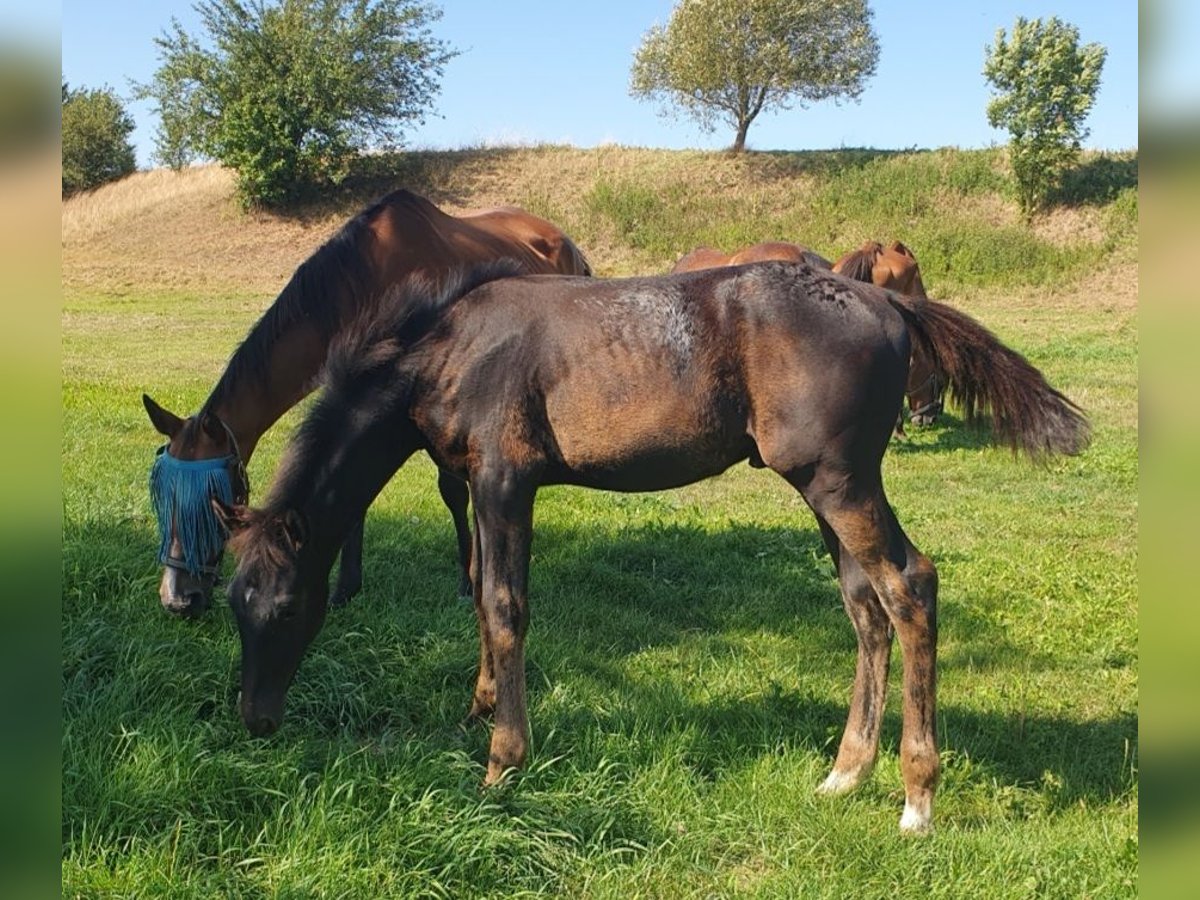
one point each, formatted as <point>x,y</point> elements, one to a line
<point>239,480</point>
<point>932,407</point>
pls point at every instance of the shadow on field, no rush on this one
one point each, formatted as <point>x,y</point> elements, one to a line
<point>948,434</point>
<point>619,615</point>
<point>600,604</point>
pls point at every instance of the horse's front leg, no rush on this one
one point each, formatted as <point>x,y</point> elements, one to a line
<point>349,580</point>
<point>504,519</point>
<point>483,703</point>
<point>455,495</point>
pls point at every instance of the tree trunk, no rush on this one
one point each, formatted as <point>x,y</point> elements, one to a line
<point>739,142</point>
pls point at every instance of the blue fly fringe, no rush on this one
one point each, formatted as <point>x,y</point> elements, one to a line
<point>180,491</point>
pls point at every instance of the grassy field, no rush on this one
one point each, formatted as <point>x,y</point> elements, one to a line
<point>689,662</point>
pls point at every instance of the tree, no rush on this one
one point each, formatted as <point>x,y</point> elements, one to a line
<point>95,139</point>
<point>728,60</point>
<point>1045,85</point>
<point>286,93</point>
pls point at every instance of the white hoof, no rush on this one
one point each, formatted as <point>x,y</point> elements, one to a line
<point>841,782</point>
<point>915,820</point>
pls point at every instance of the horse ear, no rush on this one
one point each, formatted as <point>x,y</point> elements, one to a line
<point>295,529</point>
<point>233,518</point>
<point>165,423</point>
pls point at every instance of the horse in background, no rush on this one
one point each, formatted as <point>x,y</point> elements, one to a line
<point>401,236</point>
<point>782,251</point>
<point>893,267</point>
<point>634,384</point>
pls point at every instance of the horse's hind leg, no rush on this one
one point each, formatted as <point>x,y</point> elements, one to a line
<point>349,580</point>
<point>455,495</point>
<point>860,741</point>
<point>905,582</point>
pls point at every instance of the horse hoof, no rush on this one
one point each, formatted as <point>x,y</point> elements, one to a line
<point>838,783</point>
<point>916,823</point>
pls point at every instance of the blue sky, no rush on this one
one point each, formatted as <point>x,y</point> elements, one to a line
<point>559,72</point>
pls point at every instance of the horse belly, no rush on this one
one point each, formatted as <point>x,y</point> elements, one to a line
<point>626,436</point>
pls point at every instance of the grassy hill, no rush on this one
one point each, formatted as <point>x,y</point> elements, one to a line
<point>632,210</point>
<point>689,662</point>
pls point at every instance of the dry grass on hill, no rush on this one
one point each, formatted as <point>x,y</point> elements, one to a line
<point>164,231</point>
<point>183,230</point>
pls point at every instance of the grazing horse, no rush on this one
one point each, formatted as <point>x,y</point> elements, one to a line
<point>278,362</point>
<point>633,384</point>
<point>708,258</point>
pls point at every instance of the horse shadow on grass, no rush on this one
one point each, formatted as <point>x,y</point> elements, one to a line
<point>391,674</point>
<point>609,610</point>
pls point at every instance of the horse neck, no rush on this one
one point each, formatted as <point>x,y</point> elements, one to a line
<point>252,395</point>
<point>332,476</point>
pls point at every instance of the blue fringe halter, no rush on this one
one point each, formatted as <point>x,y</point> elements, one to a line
<point>180,491</point>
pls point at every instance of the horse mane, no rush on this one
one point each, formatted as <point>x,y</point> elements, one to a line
<point>579,261</point>
<point>334,283</point>
<point>858,264</point>
<point>360,370</point>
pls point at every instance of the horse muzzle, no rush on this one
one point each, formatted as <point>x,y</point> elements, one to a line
<point>926,414</point>
<point>183,595</point>
<point>261,719</point>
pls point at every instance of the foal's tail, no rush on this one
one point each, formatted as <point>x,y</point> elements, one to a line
<point>984,375</point>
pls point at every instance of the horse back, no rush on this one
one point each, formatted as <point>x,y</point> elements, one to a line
<point>647,383</point>
<point>412,235</point>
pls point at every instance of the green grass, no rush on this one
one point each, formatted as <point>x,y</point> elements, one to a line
<point>689,662</point>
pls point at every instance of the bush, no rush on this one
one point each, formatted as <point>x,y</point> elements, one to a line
<point>287,93</point>
<point>95,139</point>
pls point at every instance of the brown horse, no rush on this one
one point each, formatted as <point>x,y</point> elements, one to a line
<point>277,364</point>
<point>708,258</point>
<point>893,267</point>
<point>633,385</point>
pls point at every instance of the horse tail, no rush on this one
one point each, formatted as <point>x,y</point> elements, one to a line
<point>982,373</point>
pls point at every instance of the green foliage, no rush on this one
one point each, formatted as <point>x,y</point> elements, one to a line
<point>728,60</point>
<point>1045,86</point>
<point>95,139</point>
<point>287,93</point>
<point>930,200</point>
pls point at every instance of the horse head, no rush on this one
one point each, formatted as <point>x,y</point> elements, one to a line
<point>925,388</point>
<point>279,596</point>
<point>200,462</point>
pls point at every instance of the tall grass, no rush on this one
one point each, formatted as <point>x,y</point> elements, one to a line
<point>689,662</point>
